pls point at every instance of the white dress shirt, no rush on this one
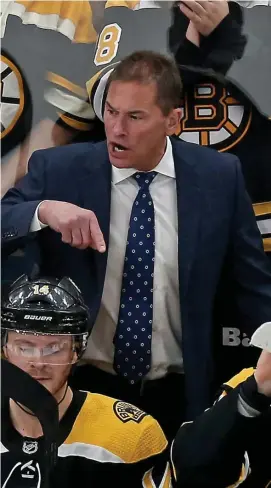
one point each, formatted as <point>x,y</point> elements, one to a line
<point>166,330</point>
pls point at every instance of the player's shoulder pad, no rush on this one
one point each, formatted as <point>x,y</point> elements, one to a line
<point>119,428</point>
<point>240,377</point>
<point>71,19</point>
<point>237,380</point>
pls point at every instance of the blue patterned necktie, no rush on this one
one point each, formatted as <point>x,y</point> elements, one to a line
<point>134,329</point>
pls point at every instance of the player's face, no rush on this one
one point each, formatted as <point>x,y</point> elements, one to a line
<point>135,126</point>
<point>48,359</point>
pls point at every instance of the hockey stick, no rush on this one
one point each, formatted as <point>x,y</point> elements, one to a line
<point>19,386</point>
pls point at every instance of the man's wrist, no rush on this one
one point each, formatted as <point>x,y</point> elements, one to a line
<point>192,35</point>
<point>36,224</point>
<point>41,212</point>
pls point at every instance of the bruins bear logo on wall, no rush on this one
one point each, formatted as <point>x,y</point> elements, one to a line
<point>212,117</point>
<point>12,95</point>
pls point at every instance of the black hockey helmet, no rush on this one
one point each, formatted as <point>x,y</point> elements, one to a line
<point>46,306</point>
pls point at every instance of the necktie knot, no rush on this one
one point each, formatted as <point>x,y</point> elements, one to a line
<point>144,179</point>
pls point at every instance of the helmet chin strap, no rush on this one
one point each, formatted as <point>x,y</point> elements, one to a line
<point>33,415</point>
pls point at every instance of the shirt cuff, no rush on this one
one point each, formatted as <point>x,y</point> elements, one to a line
<point>36,224</point>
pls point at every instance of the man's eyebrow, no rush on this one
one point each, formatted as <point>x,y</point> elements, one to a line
<point>24,341</point>
<point>110,106</point>
<point>136,111</point>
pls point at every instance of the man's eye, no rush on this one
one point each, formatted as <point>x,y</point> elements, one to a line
<point>25,350</point>
<point>134,117</point>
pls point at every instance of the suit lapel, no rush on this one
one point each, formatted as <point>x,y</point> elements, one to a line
<point>188,208</point>
<point>96,196</point>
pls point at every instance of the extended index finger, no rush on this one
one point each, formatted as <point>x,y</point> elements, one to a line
<point>190,11</point>
<point>96,234</point>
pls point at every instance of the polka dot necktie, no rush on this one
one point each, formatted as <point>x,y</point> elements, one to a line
<point>134,329</point>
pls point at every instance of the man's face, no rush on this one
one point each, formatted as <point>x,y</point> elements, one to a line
<point>135,126</point>
<point>47,359</point>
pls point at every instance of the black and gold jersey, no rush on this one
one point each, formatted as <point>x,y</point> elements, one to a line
<point>37,37</point>
<point>235,446</point>
<point>67,80</point>
<point>258,457</point>
<point>102,442</point>
<point>126,28</point>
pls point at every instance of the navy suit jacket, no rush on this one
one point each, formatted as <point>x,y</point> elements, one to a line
<point>216,227</point>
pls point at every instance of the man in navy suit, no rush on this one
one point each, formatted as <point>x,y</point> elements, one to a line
<point>146,226</point>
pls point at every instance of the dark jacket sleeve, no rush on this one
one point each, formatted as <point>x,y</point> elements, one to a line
<point>19,205</point>
<point>211,450</point>
<point>249,266</point>
<point>217,51</point>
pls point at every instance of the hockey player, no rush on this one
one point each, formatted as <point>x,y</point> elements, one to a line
<point>101,440</point>
<point>237,427</point>
<point>42,73</point>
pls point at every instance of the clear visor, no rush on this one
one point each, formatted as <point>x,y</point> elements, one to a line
<point>42,349</point>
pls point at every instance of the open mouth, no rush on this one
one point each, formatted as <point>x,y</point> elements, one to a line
<point>118,148</point>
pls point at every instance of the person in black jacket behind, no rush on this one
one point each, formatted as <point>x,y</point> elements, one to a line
<point>235,432</point>
<point>219,114</point>
<point>208,35</point>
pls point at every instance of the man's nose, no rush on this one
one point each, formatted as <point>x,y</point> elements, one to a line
<point>119,127</point>
<point>38,362</point>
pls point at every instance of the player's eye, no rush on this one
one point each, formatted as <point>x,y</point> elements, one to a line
<point>26,350</point>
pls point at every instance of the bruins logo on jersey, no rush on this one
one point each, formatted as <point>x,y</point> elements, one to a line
<point>127,412</point>
<point>212,117</point>
<point>12,95</point>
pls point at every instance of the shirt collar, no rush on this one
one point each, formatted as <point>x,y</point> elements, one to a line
<point>164,167</point>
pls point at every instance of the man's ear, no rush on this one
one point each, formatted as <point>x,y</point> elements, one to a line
<point>4,353</point>
<point>75,358</point>
<point>173,121</point>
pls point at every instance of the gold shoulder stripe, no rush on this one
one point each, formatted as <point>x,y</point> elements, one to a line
<point>75,124</point>
<point>64,83</point>
<point>262,208</point>
<point>267,244</point>
<point>122,3</point>
<point>240,377</point>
